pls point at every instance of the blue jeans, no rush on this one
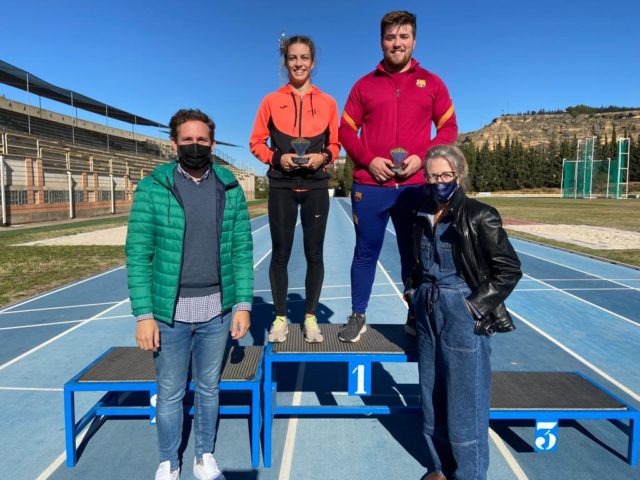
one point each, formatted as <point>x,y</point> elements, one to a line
<point>203,343</point>
<point>372,206</point>
<point>455,382</point>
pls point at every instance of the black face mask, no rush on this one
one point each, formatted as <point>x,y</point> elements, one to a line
<point>194,155</point>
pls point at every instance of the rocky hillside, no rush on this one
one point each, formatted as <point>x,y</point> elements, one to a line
<point>540,129</point>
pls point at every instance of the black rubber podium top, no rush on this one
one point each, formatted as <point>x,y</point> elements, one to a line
<point>548,391</point>
<point>382,339</point>
<point>131,364</point>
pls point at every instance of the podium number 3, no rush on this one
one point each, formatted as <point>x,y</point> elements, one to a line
<point>545,438</point>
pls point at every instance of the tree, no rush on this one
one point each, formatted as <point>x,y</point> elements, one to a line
<point>485,175</point>
<point>347,177</point>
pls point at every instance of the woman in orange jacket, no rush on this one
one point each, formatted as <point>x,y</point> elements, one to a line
<point>302,123</point>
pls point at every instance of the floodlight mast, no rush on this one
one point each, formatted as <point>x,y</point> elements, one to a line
<point>624,150</point>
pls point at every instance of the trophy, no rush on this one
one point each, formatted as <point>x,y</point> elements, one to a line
<point>300,146</point>
<point>398,155</point>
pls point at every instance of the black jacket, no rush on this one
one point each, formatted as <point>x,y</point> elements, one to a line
<point>484,257</point>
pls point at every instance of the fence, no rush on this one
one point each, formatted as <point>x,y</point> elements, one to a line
<point>42,180</point>
<point>51,180</point>
<point>587,177</point>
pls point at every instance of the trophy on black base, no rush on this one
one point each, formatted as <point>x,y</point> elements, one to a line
<point>300,146</point>
<point>398,155</point>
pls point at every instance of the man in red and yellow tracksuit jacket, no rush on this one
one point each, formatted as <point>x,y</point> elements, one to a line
<point>395,111</point>
<point>392,107</point>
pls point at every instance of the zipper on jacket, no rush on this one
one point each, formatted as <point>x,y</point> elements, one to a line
<point>174,191</point>
<point>220,206</point>
<point>300,122</point>
<point>397,107</point>
<point>299,179</point>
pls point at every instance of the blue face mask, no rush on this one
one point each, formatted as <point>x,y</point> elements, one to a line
<point>442,192</point>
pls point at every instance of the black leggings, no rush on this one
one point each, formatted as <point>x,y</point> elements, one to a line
<point>283,214</point>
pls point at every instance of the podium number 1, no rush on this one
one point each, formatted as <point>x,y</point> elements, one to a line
<point>359,372</point>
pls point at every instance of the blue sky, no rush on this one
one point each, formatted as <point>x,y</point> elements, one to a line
<point>151,58</point>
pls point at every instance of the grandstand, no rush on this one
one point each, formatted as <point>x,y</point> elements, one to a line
<point>55,166</point>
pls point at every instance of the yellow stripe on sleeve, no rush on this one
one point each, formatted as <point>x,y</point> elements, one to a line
<point>349,120</point>
<point>445,117</point>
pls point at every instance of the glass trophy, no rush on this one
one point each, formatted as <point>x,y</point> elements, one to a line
<point>300,146</point>
<point>398,155</point>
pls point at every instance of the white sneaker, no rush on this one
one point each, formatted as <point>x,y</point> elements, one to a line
<point>312,333</point>
<point>279,330</point>
<point>164,472</point>
<point>208,469</point>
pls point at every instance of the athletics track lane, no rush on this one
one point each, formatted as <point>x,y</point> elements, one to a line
<point>380,446</point>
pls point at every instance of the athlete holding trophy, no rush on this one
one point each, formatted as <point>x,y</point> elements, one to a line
<point>386,130</point>
<point>302,123</point>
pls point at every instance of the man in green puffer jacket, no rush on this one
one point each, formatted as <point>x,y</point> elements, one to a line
<point>189,266</point>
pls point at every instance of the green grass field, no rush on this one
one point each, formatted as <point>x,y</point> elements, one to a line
<point>28,270</point>
<point>621,214</point>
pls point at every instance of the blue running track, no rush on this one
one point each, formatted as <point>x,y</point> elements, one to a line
<point>573,313</point>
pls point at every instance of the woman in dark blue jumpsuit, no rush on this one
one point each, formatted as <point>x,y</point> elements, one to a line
<point>454,305</point>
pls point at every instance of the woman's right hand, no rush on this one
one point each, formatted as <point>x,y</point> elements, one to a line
<point>287,163</point>
<point>406,296</point>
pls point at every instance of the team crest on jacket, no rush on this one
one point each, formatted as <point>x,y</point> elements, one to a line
<point>420,83</point>
<point>357,196</point>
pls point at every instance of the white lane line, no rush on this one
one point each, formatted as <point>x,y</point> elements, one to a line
<point>393,284</point>
<point>389,279</point>
<point>323,299</point>
<point>59,289</point>
<point>66,332</point>
<point>63,322</point>
<point>379,395</point>
<point>581,359</point>
<point>346,214</point>
<point>292,429</point>
<point>508,456</point>
<point>578,270</point>
<point>73,284</point>
<point>268,253</point>
<point>612,289</point>
<point>255,265</point>
<point>502,448</point>
<point>377,284</point>
<point>51,469</point>
<point>30,389</point>
<point>258,217</point>
<point>588,279</point>
<point>617,315</point>
<point>260,228</point>
<point>57,308</point>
